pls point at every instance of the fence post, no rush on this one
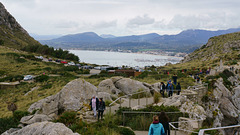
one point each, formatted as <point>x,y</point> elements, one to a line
<point>120,102</point>
<point>146,99</point>
<point>138,100</point>
<point>129,102</point>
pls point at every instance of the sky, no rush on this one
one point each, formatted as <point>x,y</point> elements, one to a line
<point>123,17</point>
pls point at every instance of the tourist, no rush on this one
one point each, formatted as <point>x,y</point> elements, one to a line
<point>174,77</point>
<point>156,128</point>
<point>94,105</point>
<point>162,89</point>
<point>198,79</point>
<point>164,120</point>
<point>170,89</point>
<point>178,88</point>
<point>101,108</point>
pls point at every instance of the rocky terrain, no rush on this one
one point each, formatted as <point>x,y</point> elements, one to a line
<point>12,34</point>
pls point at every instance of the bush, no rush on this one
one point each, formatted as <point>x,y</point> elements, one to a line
<point>108,102</point>
<point>7,123</point>
<point>21,60</point>
<point>143,75</point>
<point>70,68</point>
<point>156,97</point>
<point>42,78</point>
<point>17,115</point>
<point>125,131</point>
<point>68,118</point>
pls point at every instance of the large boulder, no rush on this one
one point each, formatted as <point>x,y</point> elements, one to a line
<point>220,90</point>
<point>128,86</point>
<point>227,108</point>
<point>35,118</point>
<point>43,128</point>
<point>236,97</point>
<point>195,111</point>
<point>176,100</point>
<point>71,97</point>
<point>106,96</point>
<point>108,86</point>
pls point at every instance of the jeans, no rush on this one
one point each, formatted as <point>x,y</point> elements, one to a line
<point>95,111</point>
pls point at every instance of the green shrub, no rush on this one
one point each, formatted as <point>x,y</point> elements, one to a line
<point>42,78</point>
<point>156,97</point>
<point>143,75</point>
<point>7,123</point>
<point>125,131</point>
<point>2,72</point>
<point>70,68</point>
<point>47,68</point>
<point>108,102</point>
<point>20,60</point>
<point>46,86</point>
<point>17,115</point>
<point>205,98</point>
<point>68,118</point>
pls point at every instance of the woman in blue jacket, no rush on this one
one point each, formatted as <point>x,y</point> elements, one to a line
<point>156,128</point>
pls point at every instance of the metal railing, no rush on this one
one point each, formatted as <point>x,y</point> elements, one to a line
<point>201,132</point>
<point>172,127</point>
<point>129,96</point>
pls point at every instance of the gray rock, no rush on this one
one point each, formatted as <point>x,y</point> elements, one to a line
<point>176,100</point>
<point>227,108</point>
<point>108,86</point>
<point>11,130</point>
<point>221,90</point>
<point>35,118</point>
<point>44,128</point>
<point>105,96</point>
<point>236,97</point>
<point>128,86</point>
<point>71,97</point>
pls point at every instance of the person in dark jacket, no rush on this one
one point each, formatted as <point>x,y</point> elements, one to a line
<point>164,120</point>
<point>170,89</point>
<point>156,128</point>
<point>101,108</point>
<point>94,105</point>
<point>178,88</point>
<point>162,89</point>
<point>174,77</point>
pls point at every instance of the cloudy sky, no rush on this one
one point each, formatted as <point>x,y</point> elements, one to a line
<point>123,17</point>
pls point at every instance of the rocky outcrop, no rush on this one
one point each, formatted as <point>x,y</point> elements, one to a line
<point>116,85</point>
<point>71,97</point>
<point>8,20</point>
<point>42,128</point>
<point>34,118</point>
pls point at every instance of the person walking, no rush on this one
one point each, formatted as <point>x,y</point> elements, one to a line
<point>162,89</point>
<point>174,77</point>
<point>156,128</point>
<point>170,89</point>
<point>101,108</point>
<point>164,120</point>
<point>94,105</point>
<point>178,88</point>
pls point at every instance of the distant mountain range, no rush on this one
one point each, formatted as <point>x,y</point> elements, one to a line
<point>186,41</point>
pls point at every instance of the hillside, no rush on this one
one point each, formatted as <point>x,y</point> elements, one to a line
<point>190,39</point>
<point>225,47</point>
<point>11,32</point>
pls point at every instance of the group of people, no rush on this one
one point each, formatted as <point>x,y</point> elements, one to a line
<point>160,125</point>
<point>97,105</point>
<point>169,87</point>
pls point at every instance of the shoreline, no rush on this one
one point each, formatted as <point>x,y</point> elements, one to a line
<point>125,52</point>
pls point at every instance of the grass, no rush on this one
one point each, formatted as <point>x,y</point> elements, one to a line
<point>10,67</point>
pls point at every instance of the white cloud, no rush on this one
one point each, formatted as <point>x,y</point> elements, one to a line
<point>123,17</point>
<point>140,20</point>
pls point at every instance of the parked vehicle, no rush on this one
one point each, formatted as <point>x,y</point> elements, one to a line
<point>64,62</point>
<point>78,65</point>
<point>57,60</point>
<point>71,63</point>
<point>50,59</point>
<point>28,77</point>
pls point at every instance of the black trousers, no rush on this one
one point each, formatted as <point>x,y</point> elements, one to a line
<point>100,113</point>
<point>162,92</point>
<point>170,93</point>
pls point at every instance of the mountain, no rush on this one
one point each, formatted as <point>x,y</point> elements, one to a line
<point>11,32</point>
<point>107,36</point>
<point>44,37</point>
<point>186,41</point>
<point>225,47</point>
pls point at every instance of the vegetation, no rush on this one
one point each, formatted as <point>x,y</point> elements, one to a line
<point>46,50</point>
<point>11,122</point>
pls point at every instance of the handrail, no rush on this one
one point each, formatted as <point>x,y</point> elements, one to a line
<point>201,132</point>
<point>127,96</point>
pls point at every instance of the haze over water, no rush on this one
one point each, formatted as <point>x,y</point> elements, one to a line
<point>127,59</point>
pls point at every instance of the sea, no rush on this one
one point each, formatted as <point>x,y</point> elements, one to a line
<point>118,59</point>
